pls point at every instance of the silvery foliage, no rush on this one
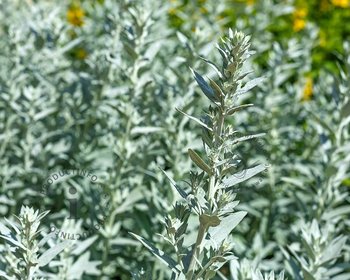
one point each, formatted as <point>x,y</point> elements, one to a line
<point>282,205</point>
<point>53,116</point>
<point>321,250</point>
<point>278,114</point>
<point>26,257</point>
<point>22,249</point>
<point>111,113</point>
<point>211,196</point>
<point>311,182</point>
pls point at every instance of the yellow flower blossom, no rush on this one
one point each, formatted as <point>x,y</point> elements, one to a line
<point>300,13</point>
<point>308,89</point>
<point>75,15</point>
<point>341,3</point>
<point>299,21</point>
<point>299,24</point>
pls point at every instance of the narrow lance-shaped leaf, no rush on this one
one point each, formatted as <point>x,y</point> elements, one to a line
<point>250,172</point>
<point>178,188</point>
<point>223,55</point>
<point>158,253</point>
<point>198,161</point>
<point>249,85</point>
<point>331,214</point>
<point>145,129</point>
<point>4,229</point>
<point>232,110</point>
<point>82,246</point>
<point>13,225</point>
<point>213,66</point>
<point>43,241</point>
<point>207,90</point>
<point>333,250</point>
<point>195,119</point>
<point>247,137</point>
<point>206,138</point>
<point>13,241</point>
<point>50,254</point>
<point>218,92</point>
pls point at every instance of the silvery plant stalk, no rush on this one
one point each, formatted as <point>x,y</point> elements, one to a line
<point>23,256</point>
<point>209,194</point>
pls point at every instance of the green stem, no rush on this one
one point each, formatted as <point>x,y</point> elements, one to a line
<point>220,125</point>
<point>29,246</point>
<point>204,269</point>
<point>217,143</point>
<point>178,256</point>
<point>212,188</point>
<point>196,250</point>
<point>113,215</point>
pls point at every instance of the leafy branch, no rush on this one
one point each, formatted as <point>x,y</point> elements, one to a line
<point>24,247</point>
<point>211,197</point>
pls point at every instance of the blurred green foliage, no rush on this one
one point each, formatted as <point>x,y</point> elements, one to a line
<point>288,19</point>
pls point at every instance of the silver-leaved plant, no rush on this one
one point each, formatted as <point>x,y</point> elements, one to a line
<point>211,196</point>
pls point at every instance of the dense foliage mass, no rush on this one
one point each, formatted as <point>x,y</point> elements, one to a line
<point>150,140</point>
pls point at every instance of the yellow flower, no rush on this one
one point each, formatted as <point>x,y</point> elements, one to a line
<point>299,24</point>
<point>300,13</point>
<point>341,3</point>
<point>299,21</point>
<point>75,15</point>
<point>308,88</point>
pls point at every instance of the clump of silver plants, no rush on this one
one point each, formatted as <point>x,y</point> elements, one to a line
<point>211,195</point>
<point>22,256</point>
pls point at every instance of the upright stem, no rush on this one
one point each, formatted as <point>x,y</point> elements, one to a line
<point>212,181</point>
<point>219,127</point>
<point>212,188</point>
<point>196,250</point>
<point>29,250</point>
<point>217,137</point>
<point>234,51</point>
